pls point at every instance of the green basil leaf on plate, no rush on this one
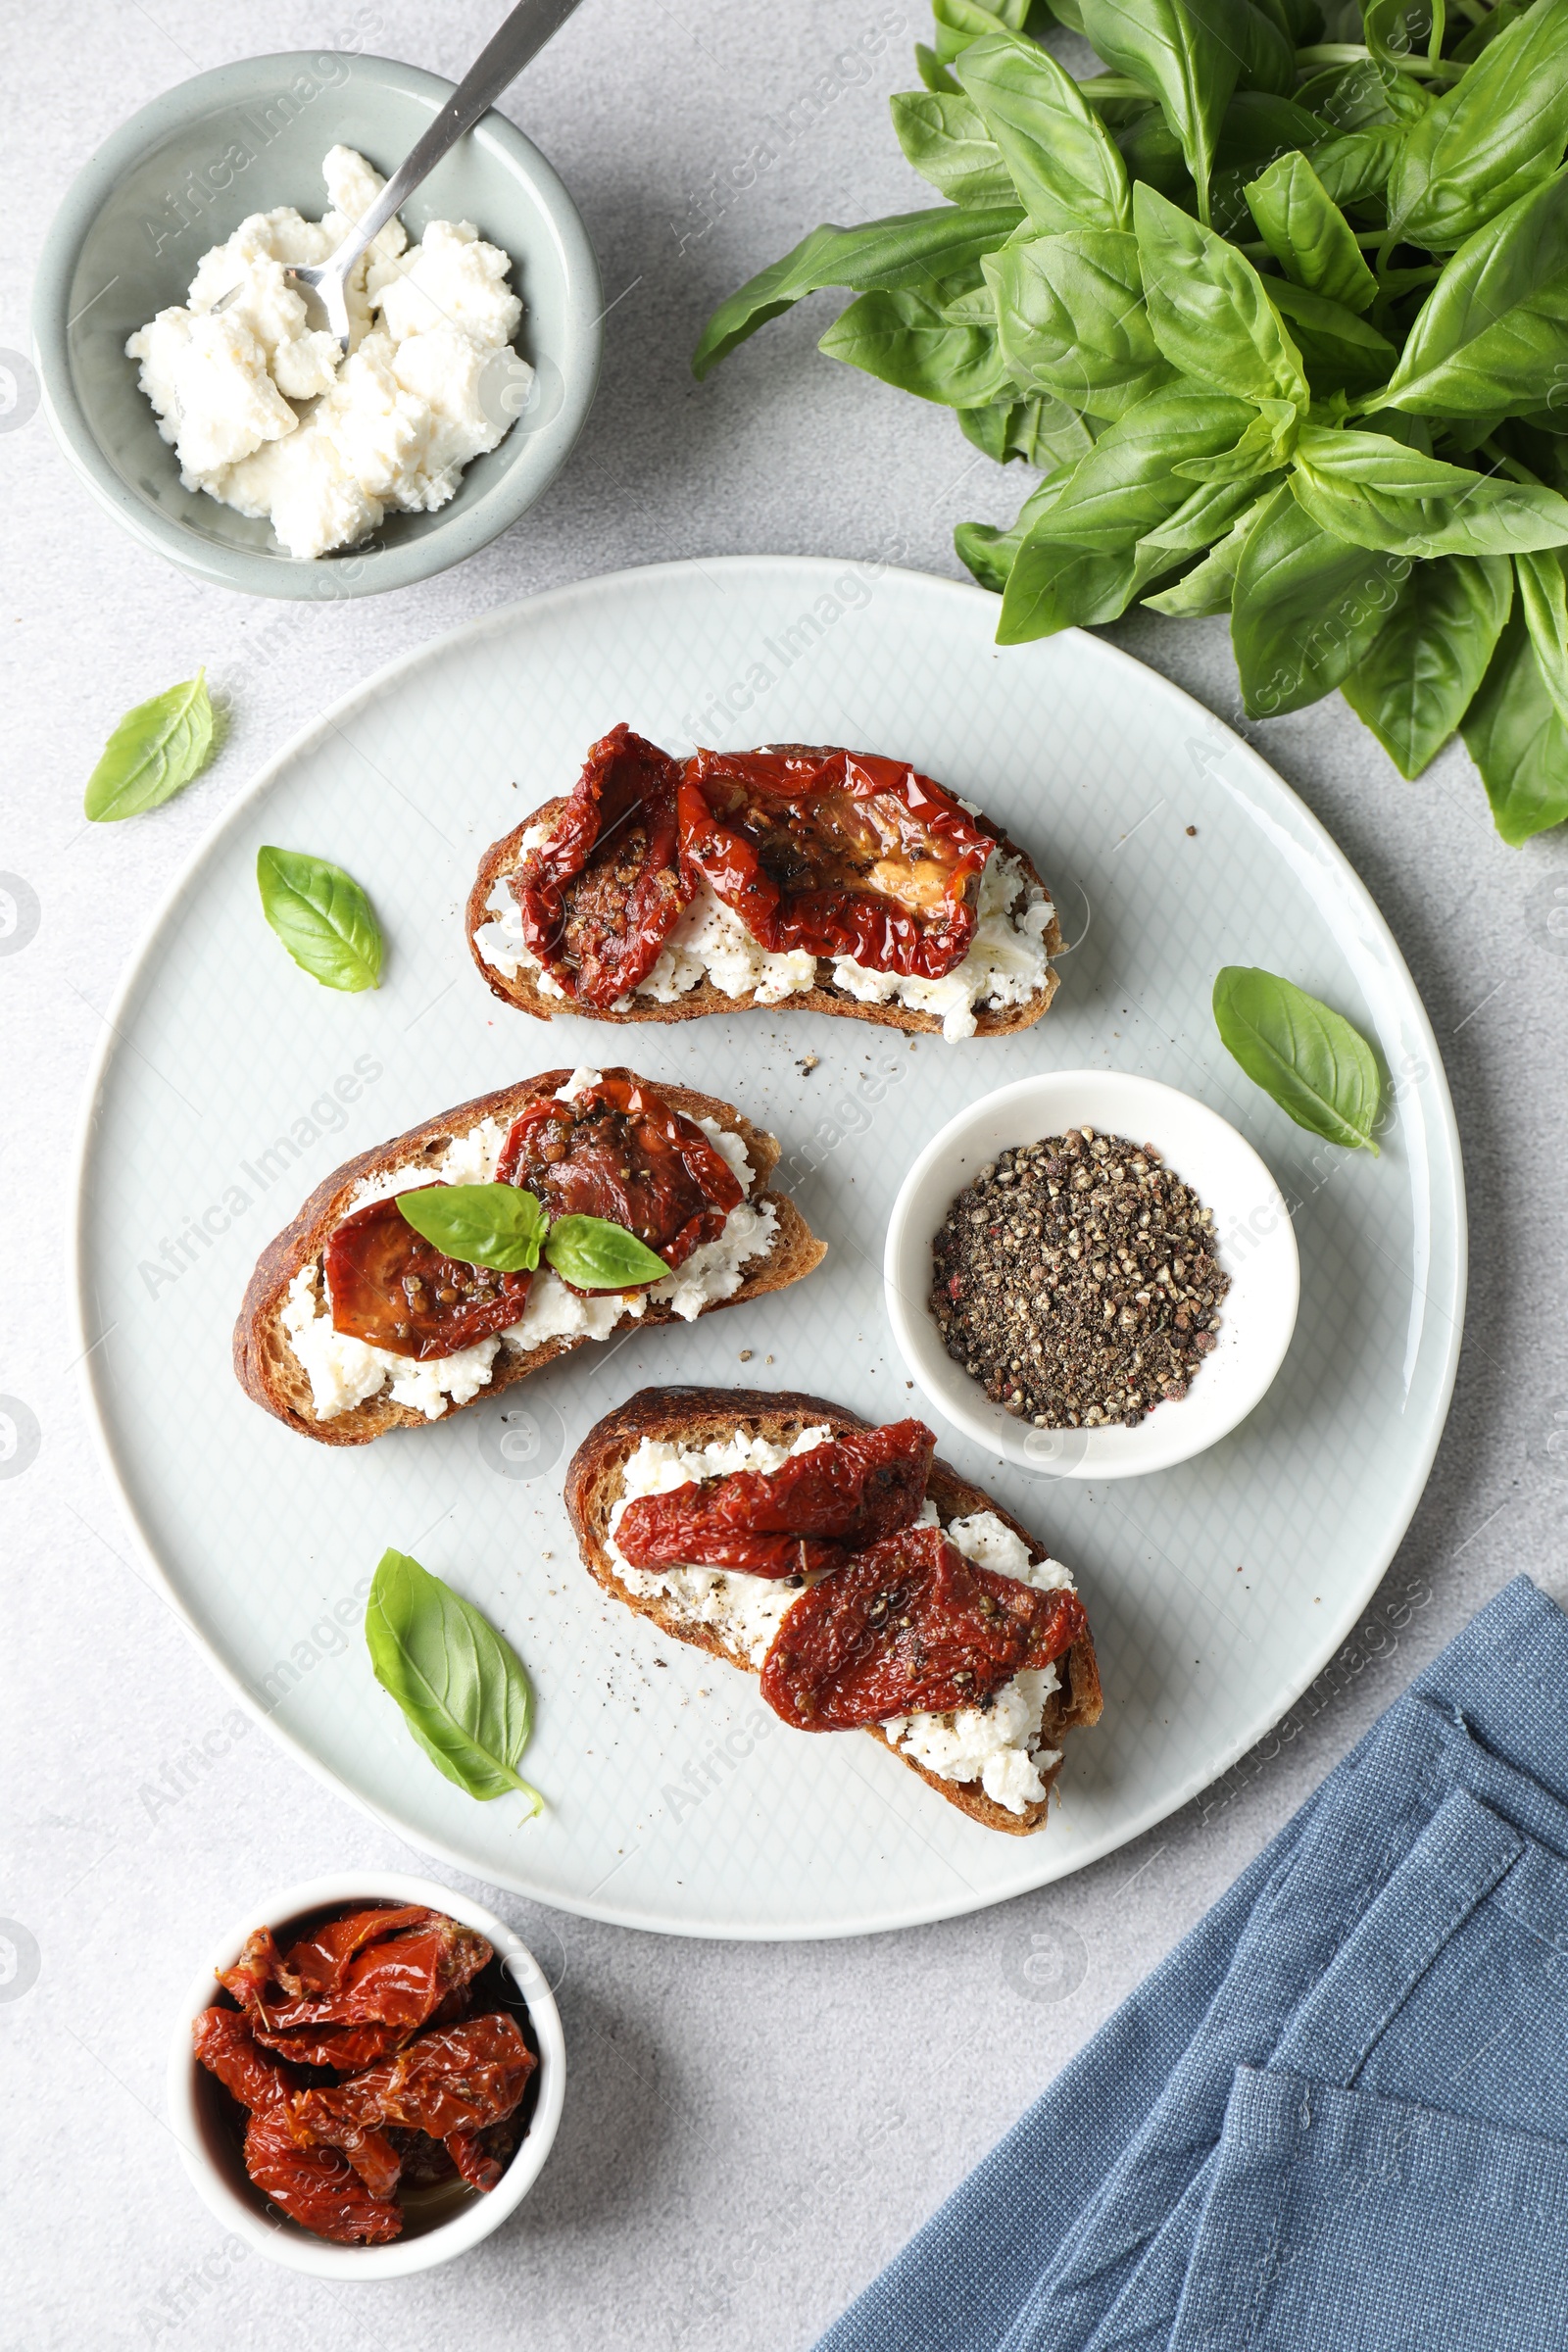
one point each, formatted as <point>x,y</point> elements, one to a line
<point>948,144</point>
<point>593,1255</point>
<point>499,1225</point>
<point>1306,1057</point>
<point>154,752</point>
<point>322,916</point>
<point>1064,163</point>
<point>1308,236</point>
<point>464,1692</point>
<point>1209,310</point>
<point>1414,685</point>
<point>1376,492</point>
<point>1544,605</point>
<point>908,249</point>
<point>1497,135</point>
<point>1072,321</point>
<point>1488,337</point>
<point>1168,50</point>
<point>1307,606</point>
<point>1515,737</point>
<point>902,339</point>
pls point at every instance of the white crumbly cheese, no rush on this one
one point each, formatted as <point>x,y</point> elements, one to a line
<point>343,1371</point>
<point>1006,961</point>
<point>997,1745</point>
<point>745,1612</point>
<point>267,415</point>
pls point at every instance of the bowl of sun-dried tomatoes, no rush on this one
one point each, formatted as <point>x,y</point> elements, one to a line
<point>369,2081</point>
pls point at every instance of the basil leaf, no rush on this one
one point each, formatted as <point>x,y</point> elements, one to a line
<point>1356,165</point>
<point>1207,515</point>
<point>1211,586</point>
<point>1340,351</point>
<point>1127,486</point>
<point>959,23</point>
<point>1307,609</point>
<point>1063,162</point>
<point>1153,152</point>
<point>1209,310</point>
<point>932,71</point>
<point>1042,432</point>
<point>496,1225</point>
<point>1308,236</point>
<point>1055,584</point>
<point>322,917</point>
<point>1374,491</point>
<point>1490,333</point>
<point>597,1255</point>
<point>904,339</point>
<point>948,144</point>
<point>1515,737</point>
<point>464,1693</point>
<point>1169,50</point>
<point>907,249</point>
<point>1070,320</point>
<point>1497,135</point>
<point>154,752</point>
<point>1425,664</point>
<point>1306,1057</point>
<point>1544,606</point>
<point>1266,443</point>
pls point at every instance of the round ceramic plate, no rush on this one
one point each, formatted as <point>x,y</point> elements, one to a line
<point>231,1085</point>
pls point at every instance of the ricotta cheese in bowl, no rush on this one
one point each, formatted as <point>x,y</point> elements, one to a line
<point>999,1746</point>
<point>268,416</point>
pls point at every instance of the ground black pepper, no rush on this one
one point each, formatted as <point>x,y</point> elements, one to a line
<point>1077,1280</point>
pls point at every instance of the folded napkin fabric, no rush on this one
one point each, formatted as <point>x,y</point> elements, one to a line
<point>1405,1939</point>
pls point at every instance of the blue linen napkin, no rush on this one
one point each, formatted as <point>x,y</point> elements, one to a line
<point>1402,1950</point>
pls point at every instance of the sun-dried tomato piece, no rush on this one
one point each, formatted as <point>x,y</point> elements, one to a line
<point>599,898</point>
<point>617,1151</point>
<point>392,1288</point>
<point>909,1627</point>
<point>315,2187</point>
<point>838,852</point>
<point>387,1992</point>
<point>806,1515</point>
<point>225,2044</point>
<point>450,2084</point>
<point>320,1962</point>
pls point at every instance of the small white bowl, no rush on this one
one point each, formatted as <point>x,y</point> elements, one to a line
<point>453,2217</point>
<point>1252,1229</point>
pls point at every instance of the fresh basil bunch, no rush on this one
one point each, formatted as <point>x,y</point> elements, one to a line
<point>1278,304</point>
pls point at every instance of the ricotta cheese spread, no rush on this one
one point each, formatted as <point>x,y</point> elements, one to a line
<point>267,415</point>
<point>997,1745</point>
<point>1007,962</point>
<point>343,1372</point>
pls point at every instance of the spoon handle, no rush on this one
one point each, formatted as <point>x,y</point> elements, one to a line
<point>521,38</point>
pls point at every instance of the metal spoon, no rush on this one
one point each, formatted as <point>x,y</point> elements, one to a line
<point>521,38</point>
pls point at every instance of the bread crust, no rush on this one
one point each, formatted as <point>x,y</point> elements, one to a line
<point>504,856</point>
<point>697,1416</point>
<point>271,1374</point>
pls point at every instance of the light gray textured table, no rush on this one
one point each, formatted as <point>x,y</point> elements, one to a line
<point>750,2131</point>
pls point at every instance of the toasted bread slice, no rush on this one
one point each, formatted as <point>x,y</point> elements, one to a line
<point>503,857</point>
<point>700,1417</point>
<point>272,1373</point>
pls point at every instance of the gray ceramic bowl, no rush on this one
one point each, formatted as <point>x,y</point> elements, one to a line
<point>175,179</point>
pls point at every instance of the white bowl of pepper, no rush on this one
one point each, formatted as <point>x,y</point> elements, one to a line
<point>1092,1274</point>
